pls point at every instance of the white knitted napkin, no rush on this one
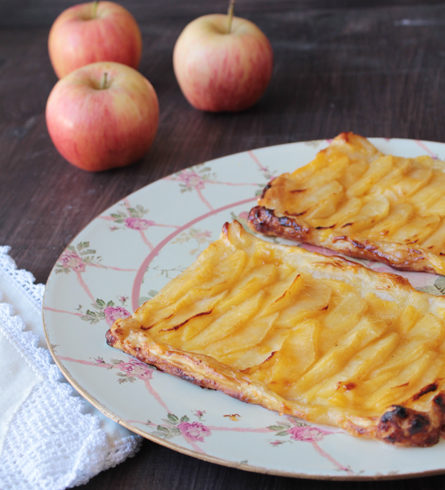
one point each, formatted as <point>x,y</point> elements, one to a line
<point>50,437</point>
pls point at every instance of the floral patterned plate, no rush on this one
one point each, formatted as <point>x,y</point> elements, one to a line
<point>127,254</point>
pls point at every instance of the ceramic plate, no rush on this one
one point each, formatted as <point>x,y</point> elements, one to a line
<point>126,254</point>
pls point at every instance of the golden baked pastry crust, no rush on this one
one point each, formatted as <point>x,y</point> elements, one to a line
<point>316,337</point>
<point>362,203</point>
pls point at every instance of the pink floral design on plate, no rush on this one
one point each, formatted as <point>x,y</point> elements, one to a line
<point>132,218</point>
<point>113,313</point>
<point>194,178</point>
<point>297,430</point>
<point>194,431</point>
<point>136,223</point>
<point>104,310</point>
<point>76,257</point>
<point>131,370</point>
<point>294,429</point>
<point>174,426</point>
<point>70,260</point>
<point>126,370</point>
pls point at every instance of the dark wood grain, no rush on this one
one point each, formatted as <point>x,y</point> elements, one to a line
<point>374,67</point>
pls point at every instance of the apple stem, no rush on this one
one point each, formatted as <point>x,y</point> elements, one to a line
<point>104,83</point>
<point>95,4</point>
<point>230,14</point>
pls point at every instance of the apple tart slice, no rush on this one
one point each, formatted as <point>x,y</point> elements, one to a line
<point>316,337</point>
<point>360,202</point>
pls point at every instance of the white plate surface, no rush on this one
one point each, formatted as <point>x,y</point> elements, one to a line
<point>128,253</point>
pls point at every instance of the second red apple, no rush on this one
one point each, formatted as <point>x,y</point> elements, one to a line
<point>222,63</point>
<point>102,115</point>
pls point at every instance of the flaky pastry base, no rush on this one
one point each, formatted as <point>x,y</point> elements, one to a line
<point>316,337</point>
<point>362,203</point>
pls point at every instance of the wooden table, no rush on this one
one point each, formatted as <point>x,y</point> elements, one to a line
<point>374,67</point>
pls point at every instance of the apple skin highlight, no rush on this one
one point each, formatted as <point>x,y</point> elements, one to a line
<point>98,128</point>
<point>221,71</point>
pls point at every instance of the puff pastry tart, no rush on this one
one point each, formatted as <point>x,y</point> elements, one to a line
<point>316,337</point>
<point>362,203</point>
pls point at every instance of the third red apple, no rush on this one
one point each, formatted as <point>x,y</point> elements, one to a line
<point>222,63</point>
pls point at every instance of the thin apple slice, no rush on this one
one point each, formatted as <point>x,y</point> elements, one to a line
<point>428,196</point>
<point>318,179</point>
<point>412,181</point>
<point>346,382</point>
<point>375,172</point>
<point>399,215</point>
<point>356,339</point>
<point>298,350</point>
<point>172,299</point>
<point>238,350</point>
<point>230,322</point>
<point>416,230</point>
<point>407,378</point>
<point>340,317</point>
<point>436,240</point>
<point>310,199</point>
<point>341,217</point>
<point>372,212</point>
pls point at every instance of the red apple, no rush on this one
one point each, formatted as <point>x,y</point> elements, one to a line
<point>102,115</point>
<point>90,32</point>
<point>222,63</point>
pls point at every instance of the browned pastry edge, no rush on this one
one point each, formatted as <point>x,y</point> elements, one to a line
<point>399,425</point>
<point>179,363</point>
<point>264,220</point>
<point>407,427</point>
